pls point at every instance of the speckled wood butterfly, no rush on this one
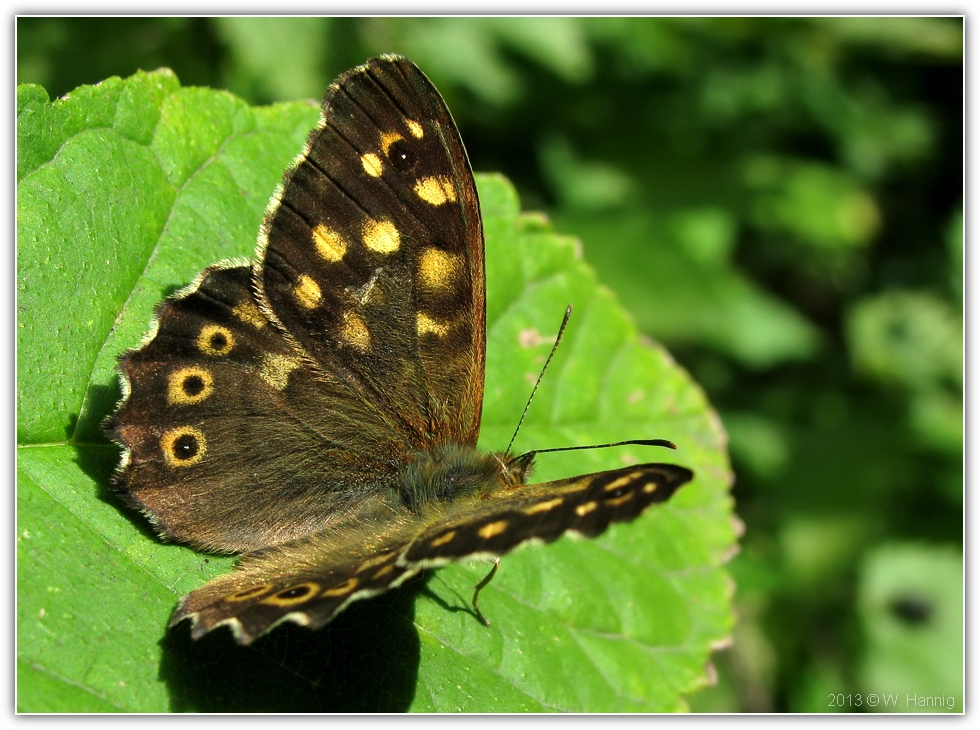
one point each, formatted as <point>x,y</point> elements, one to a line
<point>318,410</point>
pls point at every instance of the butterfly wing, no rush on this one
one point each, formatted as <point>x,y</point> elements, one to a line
<point>311,581</point>
<point>233,441</point>
<point>360,339</point>
<point>307,582</point>
<point>372,254</point>
<point>543,512</point>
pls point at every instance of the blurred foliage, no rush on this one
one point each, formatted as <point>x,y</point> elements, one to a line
<point>777,200</point>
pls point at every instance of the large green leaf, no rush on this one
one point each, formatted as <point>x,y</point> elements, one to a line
<point>126,190</point>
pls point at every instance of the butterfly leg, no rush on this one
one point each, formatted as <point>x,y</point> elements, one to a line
<point>479,587</point>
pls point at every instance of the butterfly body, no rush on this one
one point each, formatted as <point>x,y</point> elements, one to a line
<point>317,410</point>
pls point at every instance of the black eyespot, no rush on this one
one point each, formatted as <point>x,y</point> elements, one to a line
<point>193,385</point>
<point>186,447</point>
<point>402,156</point>
<point>295,592</point>
<point>219,341</point>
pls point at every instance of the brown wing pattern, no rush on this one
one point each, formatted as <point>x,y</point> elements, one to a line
<point>312,581</point>
<point>233,443</point>
<point>371,258</point>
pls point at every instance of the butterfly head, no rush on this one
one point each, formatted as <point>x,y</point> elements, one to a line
<point>452,471</point>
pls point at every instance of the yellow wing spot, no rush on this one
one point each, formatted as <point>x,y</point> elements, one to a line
<point>617,483</point>
<point>492,529</point>
<point>437,269</point>
<point>276,369</point>
<point>583,509</point>
<point>354,331</point>
<point>299,593</point>
<point>544,506</point>
<point>650,487</point>
<point>307,292</point>
<point>249,314</point>
<point>189,385</point>
<point>388,139</point>
<point>183,446</point>
<point>428,326</point>
<point>246,593</point>
<point>443,539</point>
<point>381,236</point>
<point>436,190</point>
<point>329,244</point>
<point>414,128</point>
<point>620,500</point>
<point>213,339</point>
<point>372,164</point>
<point>372,562</point>
<point>383,572</point>
<point>346,587</point>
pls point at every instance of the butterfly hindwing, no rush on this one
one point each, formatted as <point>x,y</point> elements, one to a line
<point>372,257</point>
<point>233,442</point>
<point>307,582</point>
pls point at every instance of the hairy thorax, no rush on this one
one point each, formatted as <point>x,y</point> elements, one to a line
<point>452,471</point>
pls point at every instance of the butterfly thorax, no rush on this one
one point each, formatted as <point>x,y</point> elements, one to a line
<point>452,471</point>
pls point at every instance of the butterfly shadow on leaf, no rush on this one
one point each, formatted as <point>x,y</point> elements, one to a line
<point>367,660</point>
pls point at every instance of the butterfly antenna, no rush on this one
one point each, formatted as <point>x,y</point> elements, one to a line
<point>632,442</point>
<point>561,331</point>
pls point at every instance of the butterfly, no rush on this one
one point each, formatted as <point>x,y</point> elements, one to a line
<point>317,411</point>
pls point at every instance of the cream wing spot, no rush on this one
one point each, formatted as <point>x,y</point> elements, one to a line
<point>249,314</point>
<point>436,190</point>
<point>414,128</point>
<point>425,325</point>
<point>329,244</point>
<point>443,539</point>
<point>618,483</point>
<point>276,368</point>
<point>381,236</point>
<point>544,506</point>
<point>616,501</point>
<point>343,589</point>
<point>307,292</point>
<point>372,164</point>
<point>492,529</point>
<point>437,269</point>
<point>583,509</point>
<point>354,331</point>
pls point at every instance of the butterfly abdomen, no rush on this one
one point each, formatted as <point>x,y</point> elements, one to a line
<point>448,472</point>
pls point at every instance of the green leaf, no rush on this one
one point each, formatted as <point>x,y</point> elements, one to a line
<point>126,191</point>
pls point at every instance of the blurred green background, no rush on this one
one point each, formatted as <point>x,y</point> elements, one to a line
<point>779,201</point>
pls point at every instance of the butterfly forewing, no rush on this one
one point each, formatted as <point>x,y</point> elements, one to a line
<point>586,505</point>
<point>373,260</point>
